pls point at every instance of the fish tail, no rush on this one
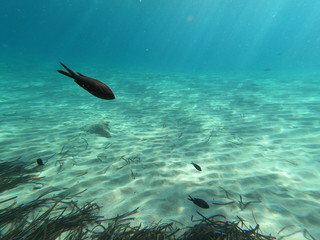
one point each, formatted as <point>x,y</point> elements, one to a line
<point>64,73</point>
<point>69,72</point>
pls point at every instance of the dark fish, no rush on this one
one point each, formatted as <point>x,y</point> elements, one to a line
<point>267,69</point>
<point>196,166</point>
<point>93,86</point>
<point>199,202</point>
<point>40,162</point>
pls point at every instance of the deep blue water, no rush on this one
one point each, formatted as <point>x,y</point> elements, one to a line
<point>178,35</point>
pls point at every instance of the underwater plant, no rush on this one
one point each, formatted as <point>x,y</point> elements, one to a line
<point>61,217</point>
<point>16,173</point>
<point>49,219</point>
<point>215,228</point>
<point>119,229</point>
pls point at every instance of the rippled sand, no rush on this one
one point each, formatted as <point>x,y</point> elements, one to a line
<point>254,135</point>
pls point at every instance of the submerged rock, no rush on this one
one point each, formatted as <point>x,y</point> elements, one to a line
<point>102,129</point>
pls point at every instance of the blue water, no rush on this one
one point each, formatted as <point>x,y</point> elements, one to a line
<point>231,85</point>
<point>173,35</point>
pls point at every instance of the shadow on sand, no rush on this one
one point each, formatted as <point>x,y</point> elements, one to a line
<point>62,218</point>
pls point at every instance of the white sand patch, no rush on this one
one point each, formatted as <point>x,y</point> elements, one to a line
<point>253,137</point>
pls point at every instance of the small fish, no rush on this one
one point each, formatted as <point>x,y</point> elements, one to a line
<point>93,86</point>
<point>196,166</point>
<point>40,162</point>
<point>199,202</point>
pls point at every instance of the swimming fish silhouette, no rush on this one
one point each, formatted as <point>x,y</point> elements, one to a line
<point>93,86</point>
<point>40,162</point>
<point>199,202</point>
<point>196,166</point>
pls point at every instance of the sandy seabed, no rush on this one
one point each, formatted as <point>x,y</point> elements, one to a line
<point>256,137</point>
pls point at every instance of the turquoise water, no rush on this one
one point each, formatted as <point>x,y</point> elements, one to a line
<point>175,35</point>
<point>230,85</point>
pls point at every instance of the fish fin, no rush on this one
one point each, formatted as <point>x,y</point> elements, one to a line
<point>72,74</point>
<point>81,74</point>
<point>64,73</point>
